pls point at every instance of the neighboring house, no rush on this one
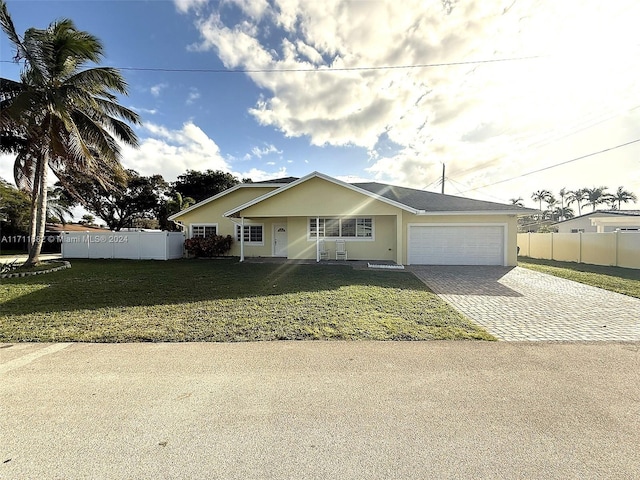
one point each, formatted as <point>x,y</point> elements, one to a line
<point>601,221</point>
<point>300,218</point>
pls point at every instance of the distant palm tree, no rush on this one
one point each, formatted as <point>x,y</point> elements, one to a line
<point>61,115</point>
<point>563,194</point>
<point>597,196</point>
<point>518,202</point>
<point>563,213</point>
<point>541,196</point>
<point>179,203</point>
<point>622,196</point>
<point>577,196</point>
<point>551,206</point>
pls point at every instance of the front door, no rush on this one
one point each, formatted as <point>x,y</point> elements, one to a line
<point>280,240</point>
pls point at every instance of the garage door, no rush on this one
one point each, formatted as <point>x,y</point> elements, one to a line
<point>456,245</point>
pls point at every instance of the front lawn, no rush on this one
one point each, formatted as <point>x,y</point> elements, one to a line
<point>223,300</point>
<point>616,279</point>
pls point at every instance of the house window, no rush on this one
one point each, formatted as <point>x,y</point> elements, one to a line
<point>252,234</point>
<point>202,231</point>
<point>341,227</point>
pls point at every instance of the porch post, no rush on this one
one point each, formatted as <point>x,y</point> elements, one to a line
<point>400,238</point>
<point>242,239</point>
<point>317,239</point>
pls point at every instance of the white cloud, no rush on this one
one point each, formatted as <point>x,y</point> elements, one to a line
<point>194,94</point>
<point>257,152</point>
<point>155,90</point>
<point>258,175</point>
<point>486,121</point>
<point>173,152</point>
<point>184,6</point>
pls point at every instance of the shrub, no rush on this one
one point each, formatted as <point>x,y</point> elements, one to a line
<point>211,246</point>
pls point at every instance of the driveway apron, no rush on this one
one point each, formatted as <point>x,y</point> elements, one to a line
<point>514,304</point>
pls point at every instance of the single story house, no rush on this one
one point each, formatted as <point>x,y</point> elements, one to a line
<point>601,221</point>
<point>315,216</point>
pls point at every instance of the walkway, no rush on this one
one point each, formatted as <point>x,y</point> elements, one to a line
<point>518,304</point>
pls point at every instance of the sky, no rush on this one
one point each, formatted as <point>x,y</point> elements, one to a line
<point>510,96</point>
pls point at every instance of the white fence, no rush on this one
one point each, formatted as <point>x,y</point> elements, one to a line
<point>129,245</point>
<point>620,249</point>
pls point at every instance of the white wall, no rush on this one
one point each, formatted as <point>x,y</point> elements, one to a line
<point>128,245</point>
<point>621,249</point>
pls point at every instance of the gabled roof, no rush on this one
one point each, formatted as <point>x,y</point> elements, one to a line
<point>308,177</point>
<point>437,202</point>
<point>606,213</point>
<point>271,183</point>
<point>283,180</point>
<point>414,201</point>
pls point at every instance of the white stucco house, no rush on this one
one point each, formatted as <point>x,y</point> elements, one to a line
<point>601,221</point>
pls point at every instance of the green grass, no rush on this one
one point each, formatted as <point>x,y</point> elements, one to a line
<point>616,279</point>
<point>223,300</point>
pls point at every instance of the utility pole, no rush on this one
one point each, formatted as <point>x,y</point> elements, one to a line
<point>443,178</point>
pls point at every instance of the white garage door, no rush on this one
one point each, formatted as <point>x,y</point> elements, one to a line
<point>456,245</point>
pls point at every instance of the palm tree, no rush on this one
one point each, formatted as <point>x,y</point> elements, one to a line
<point>61,115</point>
<point>518,202</point>
<point>563,193</point>
<point>596,196</point>
<point>577,196</point>
<point>58,205</point>
<point>178,203</point>
<point>563,213</point>
<point>622,196</point>
<point>541,196</point>
<point>551,204</point>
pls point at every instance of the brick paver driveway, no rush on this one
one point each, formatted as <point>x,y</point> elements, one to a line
<point>520,304</point>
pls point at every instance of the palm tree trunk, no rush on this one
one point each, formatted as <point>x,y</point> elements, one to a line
<point>39,216</point>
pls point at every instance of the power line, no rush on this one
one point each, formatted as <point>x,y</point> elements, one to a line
<point>555,165</point>
<point>321,70</point>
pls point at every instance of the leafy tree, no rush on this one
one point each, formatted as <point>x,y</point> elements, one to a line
<point>87,219</point>
<point>597,196</point>
<point>577,196</point>
<point>14,209</point>
<point>202,185</point>
<point>119,206</point>
<point>622,196</point>
<point>61,115</point>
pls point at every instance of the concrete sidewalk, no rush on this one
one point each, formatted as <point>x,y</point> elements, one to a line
<point>320,410</point>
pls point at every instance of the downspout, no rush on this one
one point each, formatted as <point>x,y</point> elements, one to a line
<point>242,239</point>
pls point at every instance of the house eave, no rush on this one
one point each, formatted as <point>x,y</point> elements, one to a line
<point>473,212</point>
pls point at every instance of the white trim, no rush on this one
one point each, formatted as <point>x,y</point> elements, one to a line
<point>222,194</point>
<point>505,235</point>
<point>191,225</point>
<point>239,227</point>
<point>324,177</point>
<point>242,240</point>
